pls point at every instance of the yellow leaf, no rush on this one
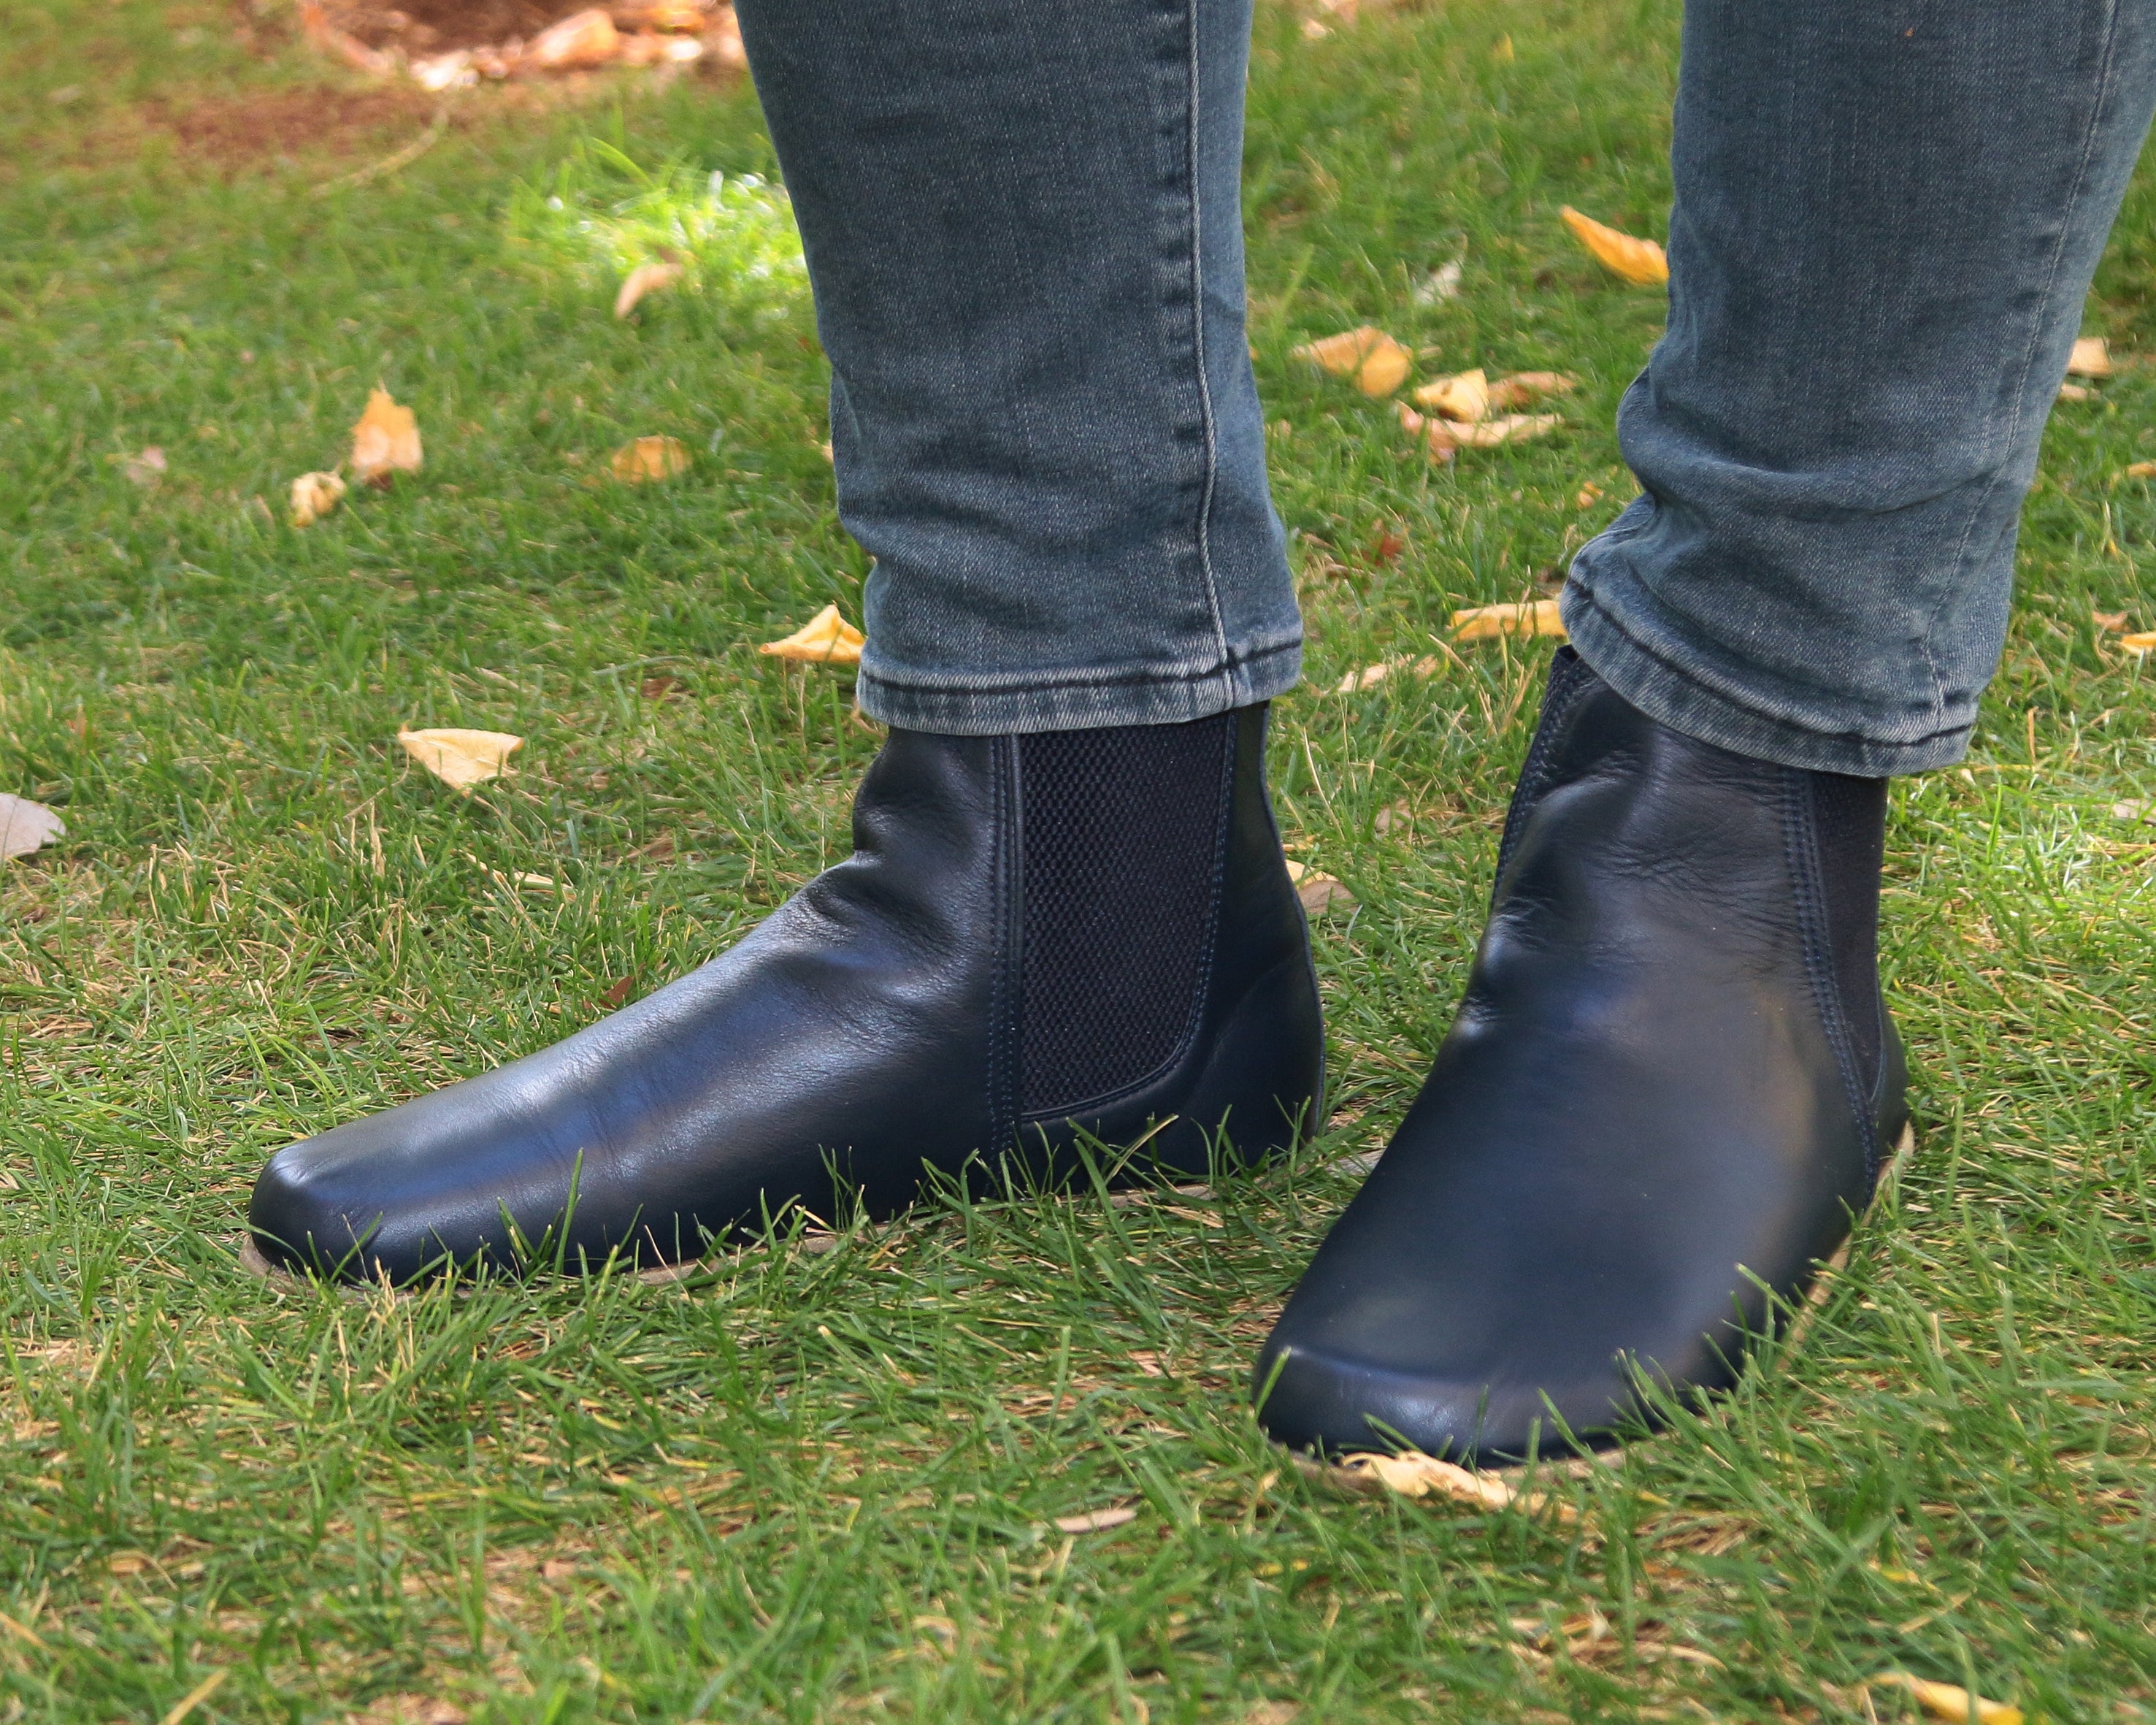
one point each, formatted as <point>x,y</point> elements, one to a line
<point>461,759</point>
<point>643,279</point>
<point>2075,391</point>
<point>826,638</point>
<point>1950,1700</point>
<point>1466,397</point>
<point>2091,358</point>
<point>1486,622</point>
<point>649,458</point>
<point>1508,428</point>
<point>1412,1474</point>
<point>1096,1520</point>
<point>26,826</point>
<point>1367,358</point>
<point>2142,469</point>
<point>1523,387</point>
<point>1639,262</point>
<point>1590,494</point>
<point>385,440</point>
<point>313,495</point>
<point>1502,52</point>
<point>2144,643</point>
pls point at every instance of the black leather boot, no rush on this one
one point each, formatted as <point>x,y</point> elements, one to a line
<point>1670,1087</point>
<point>1036,935</point>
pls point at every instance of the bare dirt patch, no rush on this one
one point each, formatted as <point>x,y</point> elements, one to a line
<point>426,27</point>
<point>244,130</point>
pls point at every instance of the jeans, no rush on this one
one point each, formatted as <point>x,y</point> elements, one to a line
<point>1024,228</point>
<point>1022,225</point>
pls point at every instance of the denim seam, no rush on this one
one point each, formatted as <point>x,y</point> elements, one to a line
<point>2104,90</point>
<point>1721,697</point>
<point>1206,410</point>
<point>1097,680</point>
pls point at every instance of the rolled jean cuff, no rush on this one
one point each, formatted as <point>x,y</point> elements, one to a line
<point>1004,705</point>
<point>1725,707</point>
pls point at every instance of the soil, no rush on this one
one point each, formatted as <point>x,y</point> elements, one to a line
<point>294,122</point>
<point>426,27</point>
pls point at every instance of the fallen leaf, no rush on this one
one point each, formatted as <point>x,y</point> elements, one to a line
<point>145,469</point>
<point>1486,622</point>
<point>2075,391</point>
<point>1149,1363</point>
<point>1096,1520</point>
<point>26,826</point>
<point>1412,1474</point>
<point>1440,285</point>
<point>2142,469</point>
<point>313,495</point>
<point>2091,358</point>
<point>1639,262</point>
<point>1502,52</point>
<point>643,279</point>
<point>582,38</point>
<point>649,458</point>
<point>385,440</point>
<point>825,639</point>
<point>461,759</point>
<point>1441,437</point>
<point>1367,358</point>
<point>1388,547</point>
<point>619,991</point>
<point>438,72</point>
<point>1590,494</point>
<point>2114,621</point>
<point>1319,893</point>
<point>1950,1700</point>
<point>1464,397</point>
<point>1523,387</point>
<point>2135,810</point>
<point>2144,642</point>
<point>1370,676</point>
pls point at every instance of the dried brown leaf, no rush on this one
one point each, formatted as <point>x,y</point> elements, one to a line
<point>1367,358</point>
<point>313,495</point>
<point>650,459</point>
<point>2142,469</point>
<point>2091,358</point>
<point>825,639</point>
<point>26,826</point>
<point>1319,893</point>
<point>643,279</point>
<point>1096,1520</point>
<point>459,758</point>
<point>1639,261</point>
<point>1412,1474</point>
<point>385,440</point>
<point>1590,494</point>
<point>1464,397</point>
<point>1523,387</point>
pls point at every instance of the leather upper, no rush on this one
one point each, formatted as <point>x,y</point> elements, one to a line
<point>865,1028</point>
<point>1644,1112</point>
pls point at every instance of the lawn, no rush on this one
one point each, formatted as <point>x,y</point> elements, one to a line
<point>820,1480</point>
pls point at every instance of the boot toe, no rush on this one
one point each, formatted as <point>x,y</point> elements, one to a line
<point>1312,1400</point>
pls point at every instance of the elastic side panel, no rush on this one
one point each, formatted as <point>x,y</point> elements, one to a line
<point>1122,836</point>
<point>1850,817</point>
<point>1570,676</point>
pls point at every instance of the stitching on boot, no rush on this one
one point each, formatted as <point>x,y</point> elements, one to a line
<point>1008,873</point>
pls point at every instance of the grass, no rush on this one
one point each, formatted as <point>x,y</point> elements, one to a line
<point>820,1482</point>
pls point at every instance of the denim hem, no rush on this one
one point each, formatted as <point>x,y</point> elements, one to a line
<point>1674,697</point>
<point>1079,702</point>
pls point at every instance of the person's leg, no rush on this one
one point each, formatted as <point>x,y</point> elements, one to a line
<point>1068,912</point>
<point>1672,1080</point>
